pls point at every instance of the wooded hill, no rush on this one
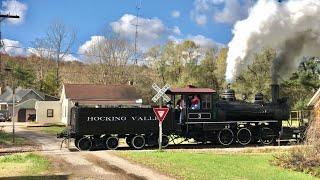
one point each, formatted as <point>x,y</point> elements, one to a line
<point>174,64</point>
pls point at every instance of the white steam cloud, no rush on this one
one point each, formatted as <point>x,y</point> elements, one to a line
<point>291,27</point>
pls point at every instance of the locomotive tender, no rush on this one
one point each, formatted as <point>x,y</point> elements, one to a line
<point>224,120</point>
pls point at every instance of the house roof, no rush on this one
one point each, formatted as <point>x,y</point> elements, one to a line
<point>190,90</point>
<point>29,104</point>
<point>101,92</point>
<point>19,94</point>
<point>315,98</point>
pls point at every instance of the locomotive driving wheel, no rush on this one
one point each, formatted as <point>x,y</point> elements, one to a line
<point>165,141</point>
<point>225,136</point>
<point>138,142</point>
<point>112,143</point>
<point>244,136</point>
<point>84,144</point>
<point>267,136</point>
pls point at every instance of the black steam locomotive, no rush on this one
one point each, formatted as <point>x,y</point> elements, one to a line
<point>222,120</point>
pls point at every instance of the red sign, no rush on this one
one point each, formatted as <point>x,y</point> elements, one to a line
<point>161,113</point>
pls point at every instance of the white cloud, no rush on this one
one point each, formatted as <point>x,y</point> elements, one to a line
<point>70,57</point>
<point>232,12</point>
<point>151,31</point>
<point>88,45</point>
<point>200,19</point>
<point>204,42</point>
<point>176,30</point>
<point>175,14</point>
<point>13,48</point>
<point>14,7</point>
<point>200,40</point>
<point>221,11</point>
<point>175,39</point>
<point>45,53</point>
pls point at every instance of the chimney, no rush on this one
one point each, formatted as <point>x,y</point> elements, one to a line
<point>274,92</point>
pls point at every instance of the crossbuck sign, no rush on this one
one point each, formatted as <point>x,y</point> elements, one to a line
<point>160,93</point>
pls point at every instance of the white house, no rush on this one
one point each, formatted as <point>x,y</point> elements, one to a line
<point>25,100</point>
<point>96,96</point>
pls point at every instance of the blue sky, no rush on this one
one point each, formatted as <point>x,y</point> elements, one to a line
<point>207,22</point>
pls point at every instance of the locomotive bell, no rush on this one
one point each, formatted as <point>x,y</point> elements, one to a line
<point>229,95</point>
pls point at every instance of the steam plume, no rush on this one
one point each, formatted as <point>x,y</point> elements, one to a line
<point>291,27</point>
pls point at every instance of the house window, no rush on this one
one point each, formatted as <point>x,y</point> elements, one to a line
<point>49,112</point>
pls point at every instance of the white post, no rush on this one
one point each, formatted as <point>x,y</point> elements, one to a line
<point>13,125</point>
<point>160,129</point>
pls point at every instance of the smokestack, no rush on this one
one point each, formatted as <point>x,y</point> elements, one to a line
<point>274,92</point>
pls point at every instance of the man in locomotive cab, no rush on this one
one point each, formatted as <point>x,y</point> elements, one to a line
<point>195,103</point>
<point>181,105</point>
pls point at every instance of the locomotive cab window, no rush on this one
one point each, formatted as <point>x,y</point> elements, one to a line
<point>206,101</point>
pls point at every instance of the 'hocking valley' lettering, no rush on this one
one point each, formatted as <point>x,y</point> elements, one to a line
<point>121,118</point>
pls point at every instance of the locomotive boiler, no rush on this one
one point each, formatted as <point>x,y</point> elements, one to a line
<point>223,120</point>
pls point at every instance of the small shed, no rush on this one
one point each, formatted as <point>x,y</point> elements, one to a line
<point>314,103</point>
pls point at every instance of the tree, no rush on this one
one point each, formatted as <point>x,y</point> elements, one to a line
<point>49,84</point>
<point>257,76</point>
<point>109,56</point>
<point>212,69</point>
<point>58,43</point>
<point>303,83</point>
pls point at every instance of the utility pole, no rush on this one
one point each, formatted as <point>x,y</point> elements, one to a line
<point>2,18</point>
<point>138,7</point>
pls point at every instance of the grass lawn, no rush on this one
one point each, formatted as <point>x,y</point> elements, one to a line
<point>208,165</point>
<point>6,140</point>
<point>53,130</point>
<point>26,164</point>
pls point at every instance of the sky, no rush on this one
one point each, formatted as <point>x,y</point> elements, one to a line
<point>208,23</point>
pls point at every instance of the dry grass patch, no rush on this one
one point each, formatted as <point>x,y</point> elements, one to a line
<point>24,164</point>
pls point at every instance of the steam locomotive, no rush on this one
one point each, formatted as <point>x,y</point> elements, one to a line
<point>222,120</point>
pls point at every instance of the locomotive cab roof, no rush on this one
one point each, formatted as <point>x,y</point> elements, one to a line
<point>190,90</point>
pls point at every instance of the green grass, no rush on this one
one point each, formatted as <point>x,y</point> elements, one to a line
<point>26,164</point>
<point>206,165</point>
<point>53,130</point>
<point>6,140</point>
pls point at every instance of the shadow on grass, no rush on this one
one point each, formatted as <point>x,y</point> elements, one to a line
<point>50,177</point>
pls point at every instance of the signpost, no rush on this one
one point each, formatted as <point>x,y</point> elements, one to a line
<point>160,112</point>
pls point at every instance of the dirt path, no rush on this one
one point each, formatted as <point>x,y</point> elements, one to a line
<point>86,165</point>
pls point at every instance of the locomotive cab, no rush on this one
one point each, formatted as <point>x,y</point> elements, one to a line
<point>193,105</point>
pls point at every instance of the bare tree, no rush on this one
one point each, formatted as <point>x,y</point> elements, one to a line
<point>58,41</point>
<point>110,55</point>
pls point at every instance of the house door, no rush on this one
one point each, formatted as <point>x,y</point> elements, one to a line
<point>22,115</point>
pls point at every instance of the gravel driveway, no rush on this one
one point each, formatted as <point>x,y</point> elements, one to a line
<point>86,165</point>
